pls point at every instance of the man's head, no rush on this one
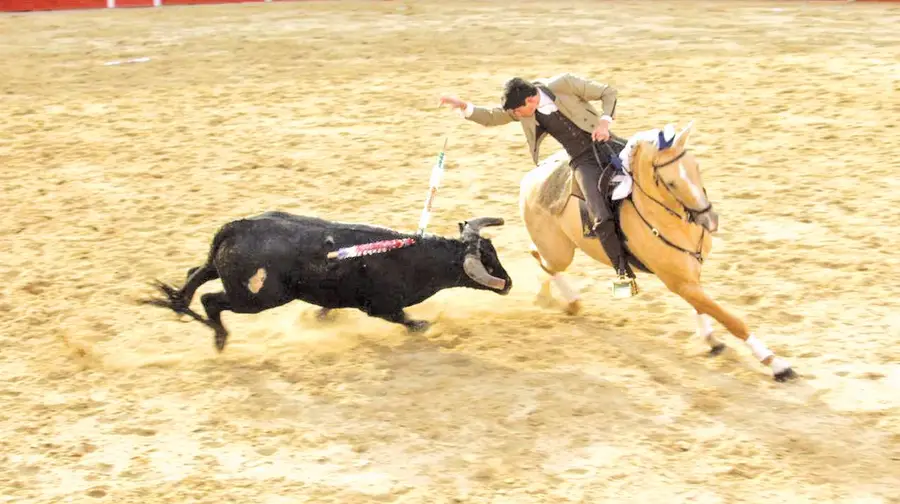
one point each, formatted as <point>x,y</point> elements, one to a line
<point>520,97</point>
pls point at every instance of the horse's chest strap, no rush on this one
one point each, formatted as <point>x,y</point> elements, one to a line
<point>698,255</point>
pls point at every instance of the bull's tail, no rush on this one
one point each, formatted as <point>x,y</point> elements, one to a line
<point>173,299</point>
<point>179,300</point>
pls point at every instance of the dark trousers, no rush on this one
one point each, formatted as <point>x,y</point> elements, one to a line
<point>588,173</point>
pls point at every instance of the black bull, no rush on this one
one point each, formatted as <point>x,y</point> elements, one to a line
<point>274,258</point>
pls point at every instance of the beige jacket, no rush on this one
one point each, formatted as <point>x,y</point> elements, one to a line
<point>571,94</point>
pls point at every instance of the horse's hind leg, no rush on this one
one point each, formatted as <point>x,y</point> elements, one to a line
<point>694,294</point>
<point>554,260</point>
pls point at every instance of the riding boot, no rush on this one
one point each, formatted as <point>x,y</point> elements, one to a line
<point>609,240</point>
<point>605,230</point>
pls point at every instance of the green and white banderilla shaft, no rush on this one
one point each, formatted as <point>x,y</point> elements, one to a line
<point>437,172</point>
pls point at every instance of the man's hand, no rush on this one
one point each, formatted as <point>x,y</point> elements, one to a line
<point>601,132</point>
<point>453,102</point>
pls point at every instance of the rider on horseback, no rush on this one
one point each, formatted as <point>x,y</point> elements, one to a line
<point>560,106</point>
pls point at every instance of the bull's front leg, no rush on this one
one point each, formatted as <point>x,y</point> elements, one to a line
<point>400,317</point>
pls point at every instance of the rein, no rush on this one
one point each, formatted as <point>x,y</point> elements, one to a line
<point>690,213</point>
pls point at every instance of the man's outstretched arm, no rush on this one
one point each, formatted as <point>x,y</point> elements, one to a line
<point>484,116</point>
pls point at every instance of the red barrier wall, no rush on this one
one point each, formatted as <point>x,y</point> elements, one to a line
<point>197,2</point>
<point>38,5</point>
<point>134,3</point>
<point>201,2</point>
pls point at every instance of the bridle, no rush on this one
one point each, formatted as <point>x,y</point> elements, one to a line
<point>690,214</point>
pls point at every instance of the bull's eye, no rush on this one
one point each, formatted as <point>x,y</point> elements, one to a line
<point>490,270</point>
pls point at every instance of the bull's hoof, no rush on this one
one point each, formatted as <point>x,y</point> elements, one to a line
<point>717,350</point>
<point>322,314</point>
<point>417,326</point>
<point>573,308</point>
<point>785,375</point>
<point>221,338</point>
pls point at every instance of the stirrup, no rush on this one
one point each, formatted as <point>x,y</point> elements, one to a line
<point>624,287</point>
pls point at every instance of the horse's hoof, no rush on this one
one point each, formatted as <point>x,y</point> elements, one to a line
<point>573,308</point>
<point>785,375</point>
<point>717,350</point>
<point>543,301</point>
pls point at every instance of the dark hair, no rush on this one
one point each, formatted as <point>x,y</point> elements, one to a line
<point>515,91</point>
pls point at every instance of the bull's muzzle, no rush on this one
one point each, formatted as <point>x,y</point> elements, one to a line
<point>475,269</point>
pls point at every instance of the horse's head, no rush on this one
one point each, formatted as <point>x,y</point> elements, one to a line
<point>676,174</point>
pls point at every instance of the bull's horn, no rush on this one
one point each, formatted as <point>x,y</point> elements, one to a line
<point>473,267</point>
<point>475,225</point>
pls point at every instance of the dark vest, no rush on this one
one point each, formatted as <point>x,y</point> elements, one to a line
<point>575,140</point>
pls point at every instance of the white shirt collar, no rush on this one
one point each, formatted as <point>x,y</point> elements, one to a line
<point>545,105</point>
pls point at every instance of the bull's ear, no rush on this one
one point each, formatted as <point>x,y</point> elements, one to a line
<point>462,226</point>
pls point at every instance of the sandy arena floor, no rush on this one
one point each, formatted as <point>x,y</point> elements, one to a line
<point>115,175</point>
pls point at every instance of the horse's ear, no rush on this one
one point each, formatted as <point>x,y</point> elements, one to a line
<point>642,151</point>
<point>682,137</point>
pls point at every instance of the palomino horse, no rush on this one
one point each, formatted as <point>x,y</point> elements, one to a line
<point>666,224</point>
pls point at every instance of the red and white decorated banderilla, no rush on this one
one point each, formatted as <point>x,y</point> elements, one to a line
<point>370,248</point>
<point>437,173</point>
<point>379,247</point>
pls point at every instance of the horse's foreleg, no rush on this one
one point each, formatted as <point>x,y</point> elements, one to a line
<point>571,296</point>
<point>705,332</point>
<point>693,293</point>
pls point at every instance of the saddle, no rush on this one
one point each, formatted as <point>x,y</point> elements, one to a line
<point>560,184</point>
